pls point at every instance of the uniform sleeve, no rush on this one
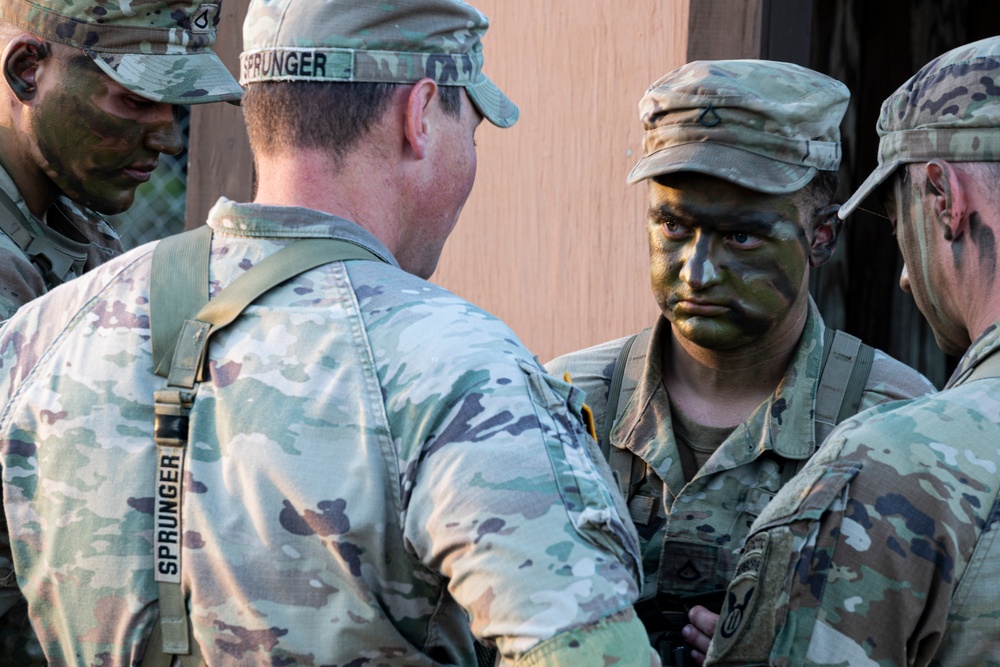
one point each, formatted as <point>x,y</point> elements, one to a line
<point>508,504</point>
<point>855,561</point>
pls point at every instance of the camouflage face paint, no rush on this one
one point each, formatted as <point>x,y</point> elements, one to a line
<point>917,231</point>
<point>727,264</point>
<point>95,140</point>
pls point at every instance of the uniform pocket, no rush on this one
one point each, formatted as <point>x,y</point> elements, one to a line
<point>584,491</point>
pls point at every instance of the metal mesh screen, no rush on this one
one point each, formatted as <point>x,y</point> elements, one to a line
<point>158,210</point>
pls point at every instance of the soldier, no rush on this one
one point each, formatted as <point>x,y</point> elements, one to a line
<point>370,469</point>
<point>88,102</point>
<point>736,384</point>
<point>882,551</point>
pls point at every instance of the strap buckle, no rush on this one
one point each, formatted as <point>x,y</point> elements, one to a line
<point>55,263</point>
<point>172,408</point>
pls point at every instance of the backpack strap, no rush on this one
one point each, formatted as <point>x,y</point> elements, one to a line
<point>627,468</point>
<point>847,363</point>
<point>177,294</point>
<point>55,258</point>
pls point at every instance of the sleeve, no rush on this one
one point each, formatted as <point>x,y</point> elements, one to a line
<point>508,504</point>
<point>853,562</point>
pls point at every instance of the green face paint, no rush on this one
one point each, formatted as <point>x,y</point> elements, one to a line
<point>96,141</point>
<point>727,265</point>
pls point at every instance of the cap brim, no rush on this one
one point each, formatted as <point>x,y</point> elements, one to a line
<point>187,78</point>
<point>868,188</point>
<point>735,165</point>
<point>492,103</point>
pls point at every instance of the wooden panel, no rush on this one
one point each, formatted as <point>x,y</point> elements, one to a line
<point>219,161</point>
<point>724,29</point>
<point>552,239</point>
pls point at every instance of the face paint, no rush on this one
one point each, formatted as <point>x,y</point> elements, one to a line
<point>918,232</point>
<point>728,265</point>
<point>94,140</point>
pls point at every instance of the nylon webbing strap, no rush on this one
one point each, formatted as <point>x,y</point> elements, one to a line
<point>178,289</point>
<point>186,368</point>
<point>625,466</point>
<point>12,222</point>
<point>833,382</point>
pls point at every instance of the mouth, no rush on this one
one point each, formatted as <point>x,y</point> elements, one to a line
<point>139,171</point>
<point>698,307</point>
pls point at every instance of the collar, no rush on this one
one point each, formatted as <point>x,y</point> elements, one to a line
<point>985,344</point>
<point>257,221</point>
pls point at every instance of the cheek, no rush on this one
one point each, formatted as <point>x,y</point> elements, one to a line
<point>774,281</point>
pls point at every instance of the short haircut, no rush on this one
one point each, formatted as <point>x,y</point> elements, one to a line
<point>821,191</point>
<point>331,116</point>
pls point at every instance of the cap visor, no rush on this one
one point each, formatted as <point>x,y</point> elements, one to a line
<point>735,165</point>
<point>193,78</point>
<point>868,188</point>
<point>492,103</point>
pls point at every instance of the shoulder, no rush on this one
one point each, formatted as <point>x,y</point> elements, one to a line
<point>892,380</point>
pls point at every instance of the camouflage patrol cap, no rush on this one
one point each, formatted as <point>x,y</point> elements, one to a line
<point>395,41</point>
<point>764,125</point>
<point>159,49</point>
<point>949,109</point>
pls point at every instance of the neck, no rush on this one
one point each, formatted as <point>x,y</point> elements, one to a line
<point>723,387</point>
<point>356,189</point>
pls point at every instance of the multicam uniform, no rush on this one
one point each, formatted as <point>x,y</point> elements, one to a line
<point>706,519</point>
<point>897,565</point>
<point>374,464</point>
<point>20,279</point>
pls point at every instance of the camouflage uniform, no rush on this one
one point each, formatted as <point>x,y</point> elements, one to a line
<point>20,280</point>
<point>159,50</point>
<point>706,520</point>
<point>877,553</point>
<point>882,551</point>
<point>423,471</point>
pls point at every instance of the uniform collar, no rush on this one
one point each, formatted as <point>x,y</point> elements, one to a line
<point>984,345</point>
<point>258,221</point>
<point>778,424</point>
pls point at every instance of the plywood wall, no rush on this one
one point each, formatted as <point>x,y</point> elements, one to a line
<point>552,239</point>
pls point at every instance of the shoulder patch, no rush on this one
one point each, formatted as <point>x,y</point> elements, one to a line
<point>743,591</point>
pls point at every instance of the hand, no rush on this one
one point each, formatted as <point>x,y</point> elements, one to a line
<point>699,634</point>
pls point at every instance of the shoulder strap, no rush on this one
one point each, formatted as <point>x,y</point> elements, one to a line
<point>847,363</point>
<point>177,293</point>
<point>12,222</point>
<point>625,466</point>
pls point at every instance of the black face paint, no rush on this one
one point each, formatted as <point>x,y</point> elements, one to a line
<point>986,245</point>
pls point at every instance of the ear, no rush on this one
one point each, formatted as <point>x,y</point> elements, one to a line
<point>826,231</point>
<point>417,118</point>
<point>20,61</point>
<point>947,194</point>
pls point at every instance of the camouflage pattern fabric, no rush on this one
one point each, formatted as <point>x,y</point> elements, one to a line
<point>160,49</point>
<point>765,125</point>
<point>949,109</point>
<point>375,465</point>
<point>883,550</point>
<point>20,280</point>
<point>401,41</point>
<point>708,519</point>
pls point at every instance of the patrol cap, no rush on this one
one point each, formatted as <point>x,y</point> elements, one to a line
<point>158,49</point>
<point>949,109</point>
<point>764,125</point>
<point>392,41</point>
